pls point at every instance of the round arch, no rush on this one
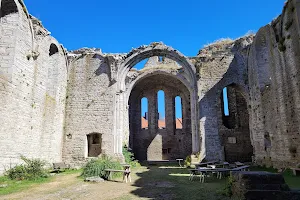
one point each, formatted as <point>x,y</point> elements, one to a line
<point>121,129</point>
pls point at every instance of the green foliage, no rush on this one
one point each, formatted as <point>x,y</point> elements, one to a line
<point>96,167</point>
<point>32,169</point>
<point>129,158</point>
<point>188,161</point>
<point>17,185</point>
<point>227,190</point>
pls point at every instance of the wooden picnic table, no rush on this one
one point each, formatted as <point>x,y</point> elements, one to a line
<point>205,164</point>
<point>239,164</point>
<point>204,170</point>
<point>219,165</point>
<point>126,173</point>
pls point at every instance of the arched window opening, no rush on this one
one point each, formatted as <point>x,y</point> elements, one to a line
<point>160,59</point>
<point>53,49</point>
<point>144,113</point>
<point>141,65</point>
<point>178,112</point>
<point>8,7</point>
<point>225,102</point>
<point>228,102</point>
<point>94,141</point>
<point>161,109</point>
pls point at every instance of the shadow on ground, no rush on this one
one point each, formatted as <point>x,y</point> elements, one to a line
<point>172,182</point>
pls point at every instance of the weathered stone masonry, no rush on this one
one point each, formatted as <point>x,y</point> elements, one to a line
<point>32,88</point>
<point>53,101</point>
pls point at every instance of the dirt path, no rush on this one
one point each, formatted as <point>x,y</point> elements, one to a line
<point>69,187</point>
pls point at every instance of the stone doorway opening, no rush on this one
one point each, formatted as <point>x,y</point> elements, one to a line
<point>94,142</point>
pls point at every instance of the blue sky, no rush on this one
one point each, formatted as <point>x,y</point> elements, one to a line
<point>117,26</point>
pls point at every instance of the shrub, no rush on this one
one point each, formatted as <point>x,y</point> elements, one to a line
<point>96,167</point>
<point>188,161</point>
<point>31,170</point>
<point>129,158</point>
<point>227,190</point>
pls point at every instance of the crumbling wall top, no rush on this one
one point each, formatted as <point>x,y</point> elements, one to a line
<point>225,47</point>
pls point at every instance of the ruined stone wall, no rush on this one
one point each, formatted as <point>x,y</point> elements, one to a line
<point>274,89</point>
<point>219,65</point>
<point>234,128</point>
<point>90,104</point>
<point>23,86</point>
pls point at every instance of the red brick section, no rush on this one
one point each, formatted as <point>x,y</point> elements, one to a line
<point>161,123</point>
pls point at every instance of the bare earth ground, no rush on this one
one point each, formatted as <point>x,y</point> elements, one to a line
<point>147,183</point>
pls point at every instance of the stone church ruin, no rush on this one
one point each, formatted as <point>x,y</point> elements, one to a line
<point>69,106</point>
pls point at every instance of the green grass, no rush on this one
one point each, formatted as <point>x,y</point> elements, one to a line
<point>17,186</point>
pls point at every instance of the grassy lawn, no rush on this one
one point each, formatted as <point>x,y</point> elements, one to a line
<point>14,186</point>
<point>159,182</point>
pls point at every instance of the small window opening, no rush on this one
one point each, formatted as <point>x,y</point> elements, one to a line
<point>225,102</point>
<point>178,112</point>
<point>161,109</point>
<point>160,58</point>
<point>53,49</point>
<point>94,144</point>
<point>228,106</point>
<point>144,112</point>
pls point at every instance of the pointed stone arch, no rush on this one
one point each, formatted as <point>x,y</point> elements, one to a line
<point>131,59</point>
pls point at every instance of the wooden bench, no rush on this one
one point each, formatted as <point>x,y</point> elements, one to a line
<point>296,171</point>
<point>60,167</point>
<point>126,174</point>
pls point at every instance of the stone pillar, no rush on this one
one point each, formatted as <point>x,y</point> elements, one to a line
<point>135,123</point>
<point>194,122</point>
<point>170,112</point>
<point>152,112</point>
<point>121,110</point>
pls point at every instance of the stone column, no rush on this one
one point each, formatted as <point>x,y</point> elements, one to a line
<point>152,112</point>
<point>194,122</point>
<point>170,112</point>
<point>135,120</point>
